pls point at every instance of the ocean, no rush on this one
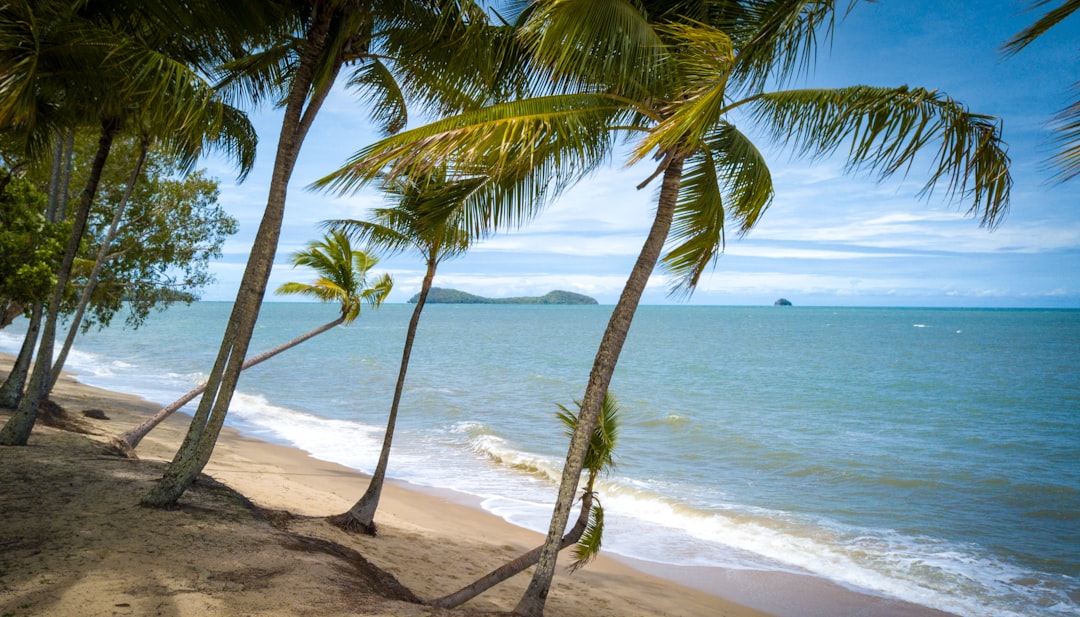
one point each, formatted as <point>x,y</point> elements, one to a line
<point>928,455</point>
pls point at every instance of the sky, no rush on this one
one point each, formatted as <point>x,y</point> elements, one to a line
<point>830,238</point>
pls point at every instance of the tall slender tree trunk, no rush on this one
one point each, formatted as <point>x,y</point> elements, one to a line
<point>65,175</point>
<point>99,262</point>
<point>518,565</point>
<point>129,440</point>
<point>607,356</point>
<point>199,441</point>
<point>17,430</point>
<point>54,179</point>
<point>361,517</point>
<point>11,391</point>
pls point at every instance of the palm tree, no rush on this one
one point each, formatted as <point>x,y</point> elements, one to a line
<point>1067,122</point>
<point>680,77</point>
<point>298,72</point>
<point>425,219</point>
<point>589,527</point>
<point>94,72</point>
<point>342,278</point>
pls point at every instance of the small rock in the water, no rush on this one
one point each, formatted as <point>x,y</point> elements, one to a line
<point>96,414</point>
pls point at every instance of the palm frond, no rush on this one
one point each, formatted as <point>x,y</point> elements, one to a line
<point>777,40</point>
<point>343,275</point>
<point>728,170</point>
<point>1066,127</point>
<point>586,43</point>
<point>531,148</point>
<point>1052,18</point>
<point>588,546</point>
<point>260,75</point>
<point>385,101</point>
<point>703,63</point>
<point>888,128</point>
<point>600,455</point>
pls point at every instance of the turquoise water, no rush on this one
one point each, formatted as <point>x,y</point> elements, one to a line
<point>931,455</point>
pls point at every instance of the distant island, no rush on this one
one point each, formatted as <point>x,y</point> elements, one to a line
<point>782,302</point>
<point>438,295</point>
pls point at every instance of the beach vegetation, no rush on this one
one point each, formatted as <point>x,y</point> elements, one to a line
<point>585,535</point>
<point>309,47</point>
<point>425,219</point>
<point>684,84</point>
<point>1066,123</point>
<point>154,229</point>
<point>342,278</point>
<point>76,65</point>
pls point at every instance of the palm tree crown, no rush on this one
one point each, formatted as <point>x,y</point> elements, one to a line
<point>342,274</point>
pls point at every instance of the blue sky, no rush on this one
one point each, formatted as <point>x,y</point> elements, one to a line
<point>829,238</point>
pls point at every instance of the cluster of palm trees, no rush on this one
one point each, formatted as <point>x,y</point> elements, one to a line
<point>529,100</point>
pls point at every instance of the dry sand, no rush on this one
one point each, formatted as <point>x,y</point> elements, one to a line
<point>250,539</point>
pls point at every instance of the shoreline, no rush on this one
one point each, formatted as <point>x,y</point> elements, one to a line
<point>421,527</point>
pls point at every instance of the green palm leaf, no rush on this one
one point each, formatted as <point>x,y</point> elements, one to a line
<point>586,43</point>
<point>342,275</point>
<point>728,170</point>
<point>588,546</point>
<point>887,128</point>
<point>525,149</point>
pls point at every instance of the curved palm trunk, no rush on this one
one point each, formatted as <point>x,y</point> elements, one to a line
<point>17,430</point>
<point>11,391</point>
<point>199,441</point>
<point>99,262</point>
<point>518,565</point>
<point>607,356</point>
<point>361,517</point>
<point>129,440</point>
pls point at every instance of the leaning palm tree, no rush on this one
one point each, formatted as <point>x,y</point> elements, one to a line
<point>298,71</point>
<point>586,533</point>
<point>343,273</point>
<point>1066,123</point>
<point>679,79</point>
<point>426,220</point>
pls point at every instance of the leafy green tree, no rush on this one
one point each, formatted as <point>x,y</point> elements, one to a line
<point>342,278</point>
<point>678,79</point>
<point>426,220</point>
<point>29,250</point>
<point>298,71</point>
<point>1066,123</point>
<point>587,531</point>
<point>165,228</point>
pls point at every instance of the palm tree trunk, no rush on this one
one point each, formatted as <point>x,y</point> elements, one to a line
<point>65,176</point>
<point>129,440</point>
<point>518,565</point>
<point>361,517</point>
<point>17,430</point>
<point>607,356</point>
<point>11,391</point>
<point>199,441</point>
<point>99,261</point>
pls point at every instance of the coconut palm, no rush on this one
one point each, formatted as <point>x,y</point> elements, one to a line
<point>586,533</point>
<point>1067,122</point>
<point>342,272</point>
<point>425,219</point>
<point>94,72</point>
<point>679,79</point>
<point>298,72</point>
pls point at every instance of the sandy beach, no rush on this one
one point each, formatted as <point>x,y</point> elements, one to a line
<point>251,540</point>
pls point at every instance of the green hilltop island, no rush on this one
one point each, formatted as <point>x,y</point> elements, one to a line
<point>437,295</point>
